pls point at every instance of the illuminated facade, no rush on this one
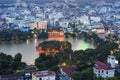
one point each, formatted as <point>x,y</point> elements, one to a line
<point>40,50</point>
<point>56,35</point>
<point>51,48</point>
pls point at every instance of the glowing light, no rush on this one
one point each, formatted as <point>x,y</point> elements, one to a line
<point>116,61</point>
<point>84,45</point>
<point>63,64</point>
<point>35,35</point>
<point>111,52</point>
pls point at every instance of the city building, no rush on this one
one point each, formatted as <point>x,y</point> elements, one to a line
<point>42,25</point>
<point>27,76</point>
<point>105,70</point>
<point>64,23</point>
<point>43,75</point>
<point>100,29</point>
<point>37,25</point>
<point>95,19</point>
<point>85,20</point>
<point>66,72</point>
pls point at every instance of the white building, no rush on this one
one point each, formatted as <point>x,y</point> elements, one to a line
<point>43,75</point>
<point>103,10</point>
<point>111,60</point>
<point>85,20</point>
<point>95,18</point>
<point>99,29</point>
<point>64,23</point>
<point>117,16</point>
<point>37,25</point>
<point>105,70</point>
<point>40,15</point>
<point>56,15</point>
<point>92,11</point>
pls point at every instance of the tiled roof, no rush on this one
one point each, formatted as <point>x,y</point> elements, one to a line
<point>44,73</point>
<point>101,65</point>
<point>69,70</point>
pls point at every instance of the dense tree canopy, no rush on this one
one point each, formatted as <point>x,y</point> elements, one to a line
<point>15,35</point>
<point>9,64</point>
<point>48,47</point>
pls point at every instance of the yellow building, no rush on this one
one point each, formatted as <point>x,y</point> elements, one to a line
<point>56,35</point>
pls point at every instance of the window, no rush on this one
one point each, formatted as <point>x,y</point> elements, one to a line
<point>106,72</point>
<point>95,70</point>
<point>102,71</point>
<point>98,71</point>
<point>112,58</point>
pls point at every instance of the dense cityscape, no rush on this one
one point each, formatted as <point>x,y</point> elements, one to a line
<point>60,40</point>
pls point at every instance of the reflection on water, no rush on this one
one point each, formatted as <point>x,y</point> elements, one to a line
<point>84,45</point>
<point>79,44</point>
<point>27,41</point>
<point>58,38</point>
<point>35,40</point>
<point>28,48</point>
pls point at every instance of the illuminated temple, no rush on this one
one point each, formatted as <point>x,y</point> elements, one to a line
<point>56,35</point>
<point>52,35</point>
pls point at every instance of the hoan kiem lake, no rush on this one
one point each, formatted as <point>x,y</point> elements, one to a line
<point>28,48</point>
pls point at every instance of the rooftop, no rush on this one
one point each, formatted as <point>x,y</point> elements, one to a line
<point>43,73</point>
<point>69,70</point>
<point>101,65</point>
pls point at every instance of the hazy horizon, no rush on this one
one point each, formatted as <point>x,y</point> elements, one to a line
<point>44,1</point>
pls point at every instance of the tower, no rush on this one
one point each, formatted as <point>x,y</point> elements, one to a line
<point>111,60</point>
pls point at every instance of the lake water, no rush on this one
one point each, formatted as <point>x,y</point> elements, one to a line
<point>28,48</point>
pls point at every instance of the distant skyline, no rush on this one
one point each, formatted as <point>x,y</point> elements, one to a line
<point>44,1</point>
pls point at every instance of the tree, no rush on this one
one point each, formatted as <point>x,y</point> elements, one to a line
<point>76,75</point>
<point>18,57</point>
<point>43,35</point>
<point>9,65</point>
<point>99,78</point>
<point>5,63</point>
<point>86,74</point>
<point>112,78</point>
<point>46,62</point>
<point>118,57</point>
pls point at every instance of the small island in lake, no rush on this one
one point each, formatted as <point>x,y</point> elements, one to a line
<point>52,47</point>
